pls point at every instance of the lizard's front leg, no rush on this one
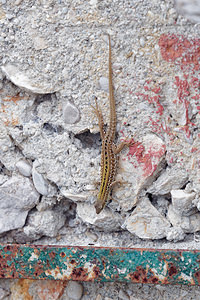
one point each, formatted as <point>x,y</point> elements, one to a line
<point>117,149</point>
<point>120,182</point>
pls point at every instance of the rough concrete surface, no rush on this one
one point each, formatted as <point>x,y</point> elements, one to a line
<point>54,60</point>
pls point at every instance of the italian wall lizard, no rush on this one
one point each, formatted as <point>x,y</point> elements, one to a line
<point>109,151</point>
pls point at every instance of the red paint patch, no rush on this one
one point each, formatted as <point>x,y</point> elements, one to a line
<point>152,96</point>
<point>186,55</point>
<point>147,158</point>
<point>194,149</point>
<point>160,128</point>
<point>177,48</point>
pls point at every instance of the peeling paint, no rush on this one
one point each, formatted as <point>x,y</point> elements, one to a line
<point>100,264</point>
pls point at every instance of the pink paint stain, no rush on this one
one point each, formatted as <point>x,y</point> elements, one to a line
<point>160,128</point>
<point>177,48</point>
<point>152,96</point>
<point>186,54</point>
<point>147,159</point>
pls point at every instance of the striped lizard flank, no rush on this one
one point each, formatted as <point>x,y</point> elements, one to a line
<point>109,151</point>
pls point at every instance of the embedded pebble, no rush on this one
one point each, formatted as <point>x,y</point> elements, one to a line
<point>171,178</point>
<point>189,9</point>
<point>71,113</point>
<point>17,2</point>
<point>74,290</point>
<point>73,197</point>
<point>123,295</point>
<point>142,42</point>
<point>182,201</point>
<point>98,297</point>
<point>4,294</point>
<point>104,84</point>
<point>9,16</point>
<point>23,81</point>
<point>146,221</point>
<point>93,2</point>
<point>188,224</point>
<point>40,183</point>
<point>39,43</point>
<point>175,234</point>
<point>44,223</point>
<point>17,197</point>
<point>48,202</point>
<point>24,168</point>
<point>106,220</point>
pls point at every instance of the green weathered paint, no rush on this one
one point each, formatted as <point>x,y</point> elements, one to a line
<point>100,264</point>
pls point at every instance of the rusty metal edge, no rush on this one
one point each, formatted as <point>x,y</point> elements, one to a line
<point>137,265</point>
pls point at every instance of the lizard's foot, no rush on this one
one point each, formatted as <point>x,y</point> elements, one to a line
<point>117,149</point>
<point>96,183</point>
<point>96,109</point>
<point>120,182</point>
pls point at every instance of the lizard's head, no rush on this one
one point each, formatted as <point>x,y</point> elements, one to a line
<point>99,205</point>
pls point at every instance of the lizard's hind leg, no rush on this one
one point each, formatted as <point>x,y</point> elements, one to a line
<point>97,111</point>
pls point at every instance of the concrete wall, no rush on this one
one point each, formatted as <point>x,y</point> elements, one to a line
<point>54,59</point>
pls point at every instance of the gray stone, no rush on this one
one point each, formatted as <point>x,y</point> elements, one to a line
<point>44,223</point>
<point>142,42</point>
<point>103,83</point>
<point>22,80</point>
<point>47,202</point>
<point>98,297</point>
<point>71,113</point>
<point>3,294</point>
<point>74,197</point>
<point>9,16</point>
<point>146,222</point>
<point>189,224</point>
<point>39,43</point>
<point>3,178</point>
<point>74,290</point>
<point>190,9</point>
<point>171,178</point>
<point>106,220</point>
<point>40,183</point>
<point>123,295</point>
<point>8,156</point>
<point>17,197</point>
<point>24,168</point>
<point>175,234</point>
<point>182,201</point>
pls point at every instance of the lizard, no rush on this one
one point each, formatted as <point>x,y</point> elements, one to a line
<point>109,151</point>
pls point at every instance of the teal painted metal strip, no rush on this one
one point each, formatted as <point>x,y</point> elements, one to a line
<point>100,264</point>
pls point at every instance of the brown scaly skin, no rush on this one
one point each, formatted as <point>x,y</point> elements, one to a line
<point>109,149</point>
